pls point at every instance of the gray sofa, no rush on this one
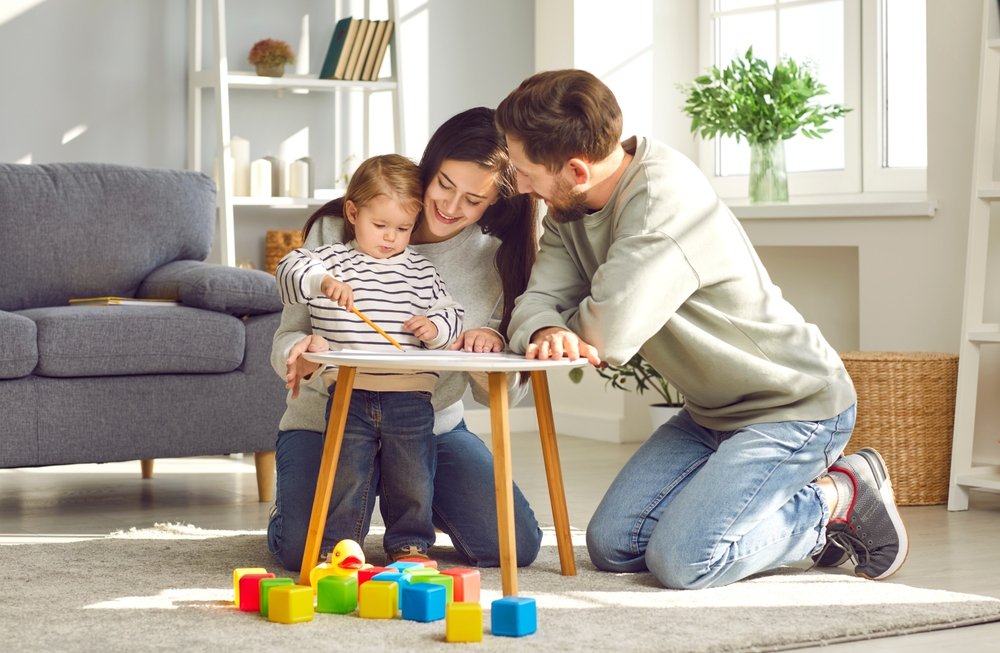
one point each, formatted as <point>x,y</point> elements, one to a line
<point>85,383</point>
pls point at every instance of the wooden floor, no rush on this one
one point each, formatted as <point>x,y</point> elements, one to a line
<point>957,551</point>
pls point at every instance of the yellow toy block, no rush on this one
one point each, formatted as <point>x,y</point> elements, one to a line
<point>378,599</point>
<point>290,604</point>
<point>463,622</point>
<point>242,571</point>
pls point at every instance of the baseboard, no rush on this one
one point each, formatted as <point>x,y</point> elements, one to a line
<point>523,419</point>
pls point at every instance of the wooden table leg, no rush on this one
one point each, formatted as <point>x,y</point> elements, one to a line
<point>553,471</point>
<point>327,469</point>
<point>503,481</point>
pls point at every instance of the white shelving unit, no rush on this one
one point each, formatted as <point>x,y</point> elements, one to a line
<point>220,81</point>
<point>970,467</point>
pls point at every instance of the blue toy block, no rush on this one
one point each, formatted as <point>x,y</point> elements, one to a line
<point>394,576</point>
<point>424,602</point>
<point>513,616</point>
<point>402,566</point>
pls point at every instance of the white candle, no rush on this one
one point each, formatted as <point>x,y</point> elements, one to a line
<point>240,149</point>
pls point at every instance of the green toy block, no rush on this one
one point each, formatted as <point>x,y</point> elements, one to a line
<point>337,594</point>
<point>266,585</point>
<point>442,579</point>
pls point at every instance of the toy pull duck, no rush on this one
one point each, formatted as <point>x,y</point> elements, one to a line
<point>344,560</point>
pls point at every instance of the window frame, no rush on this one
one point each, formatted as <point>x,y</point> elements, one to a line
<point>863,126</point>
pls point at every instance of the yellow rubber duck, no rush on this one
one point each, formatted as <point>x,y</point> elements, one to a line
<point>345,560</point>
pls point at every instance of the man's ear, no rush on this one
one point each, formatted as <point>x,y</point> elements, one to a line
<point>580,170</point>
<point>350,211</point>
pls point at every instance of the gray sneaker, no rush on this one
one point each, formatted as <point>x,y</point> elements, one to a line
<point>873,533</point>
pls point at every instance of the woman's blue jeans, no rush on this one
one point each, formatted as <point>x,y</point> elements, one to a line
<point>464,505</point>
<point>702,508</point>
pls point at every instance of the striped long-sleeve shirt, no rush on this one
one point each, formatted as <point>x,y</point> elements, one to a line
<point>388,291</point>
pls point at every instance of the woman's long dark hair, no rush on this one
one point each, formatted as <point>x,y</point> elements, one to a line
<point>472,136</point>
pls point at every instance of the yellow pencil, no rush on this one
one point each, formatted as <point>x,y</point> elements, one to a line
<point>376,327</point>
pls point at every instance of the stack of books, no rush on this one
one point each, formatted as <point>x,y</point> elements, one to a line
<point>357,49</point>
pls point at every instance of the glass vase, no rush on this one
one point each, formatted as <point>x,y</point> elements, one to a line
<point>768,180</point>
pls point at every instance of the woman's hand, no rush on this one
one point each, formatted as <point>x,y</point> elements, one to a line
<point>298,367</point>
<point>478,340</point>
<point>337,292</point>
<point>422,327</point>
<point>555,342</point>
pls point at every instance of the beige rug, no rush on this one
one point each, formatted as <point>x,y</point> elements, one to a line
<point>170,588</point>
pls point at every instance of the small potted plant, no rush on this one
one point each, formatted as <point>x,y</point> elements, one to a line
<point>269,56</point>
<point>747,99</point>
<point>638,372</point>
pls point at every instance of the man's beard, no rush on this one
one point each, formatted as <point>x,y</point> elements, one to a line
<point>567,205</point>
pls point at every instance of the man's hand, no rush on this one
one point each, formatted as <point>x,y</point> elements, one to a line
<point>337,292</point>
<point>555,342</point>
<point>422,327</point>
<point>298,367</point>
<point>478,340</point>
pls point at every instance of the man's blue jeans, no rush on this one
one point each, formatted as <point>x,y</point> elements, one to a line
<point>464,500</point>
<point>701,508</point>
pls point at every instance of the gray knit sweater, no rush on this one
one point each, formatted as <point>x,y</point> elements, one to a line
<point>666,269</point>
<point>465,262</point>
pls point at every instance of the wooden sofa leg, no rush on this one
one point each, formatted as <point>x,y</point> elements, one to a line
<point>264,461</point>
<point>147,467</point>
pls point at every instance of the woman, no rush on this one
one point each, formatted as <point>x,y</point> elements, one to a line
<point>481,236</point>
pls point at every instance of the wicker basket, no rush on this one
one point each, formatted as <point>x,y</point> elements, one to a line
<point>906,409</point>
<point>277,244</point>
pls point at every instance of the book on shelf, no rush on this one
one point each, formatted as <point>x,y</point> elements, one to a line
<point>380,52</point>
<point>123,301</point>
<point>355,52</point>
<point>336,47</point>
<point>366,71</point>
<point>348,46</point>
<point>366,44</point>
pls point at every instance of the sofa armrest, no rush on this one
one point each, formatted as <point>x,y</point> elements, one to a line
<point>214,287</point>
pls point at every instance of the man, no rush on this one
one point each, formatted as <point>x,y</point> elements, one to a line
<point>639,254</point>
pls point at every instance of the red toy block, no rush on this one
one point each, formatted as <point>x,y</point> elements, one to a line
<point>466,584</point>
<point>424,561</point>
<point>250,591</point>
<point>365,575</point>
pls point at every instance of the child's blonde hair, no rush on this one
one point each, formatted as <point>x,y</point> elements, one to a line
<point>389,175</point>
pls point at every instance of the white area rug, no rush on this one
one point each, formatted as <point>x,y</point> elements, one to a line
<point>170,588</point>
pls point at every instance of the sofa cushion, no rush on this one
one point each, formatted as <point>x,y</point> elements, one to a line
<point>214,287</point>
<point>18,352</point>
<point>117,340</point>
<point>94,229</point>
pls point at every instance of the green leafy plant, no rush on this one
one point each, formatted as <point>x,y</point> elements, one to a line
<point>270,52</point>
<point>638,372</point>
<point>747,99</point>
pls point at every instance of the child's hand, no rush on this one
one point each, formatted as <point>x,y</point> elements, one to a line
<point>478,340</point>
<point>338,292</point>
<point>297,367</point>
<point>421,327</point>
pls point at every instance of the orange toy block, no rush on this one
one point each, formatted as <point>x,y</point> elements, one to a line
<point>290,604</point>
<point>250,591</point>
<point>237,573</point>
<point>466,584</point>
<point>463,622</point>
<point>378,599</point>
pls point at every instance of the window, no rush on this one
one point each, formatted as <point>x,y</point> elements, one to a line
<point>870,55</point>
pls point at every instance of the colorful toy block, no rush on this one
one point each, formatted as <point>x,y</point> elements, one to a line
<point>250,591</point>
<point>237,573</point>
<point>322,570</point>
<point>467,583</point>
<point>402,565</point>
<point>463,622</point>
<point>513,616</point>
<point>421,561</point>
<point>378,599</point>
<point>442,579</point>
<point>365,575</point>
<point>420,572</point>
<point>265,586</point>
<point>337,594</point>
<point>423,602</point>
<point>290,604</point>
